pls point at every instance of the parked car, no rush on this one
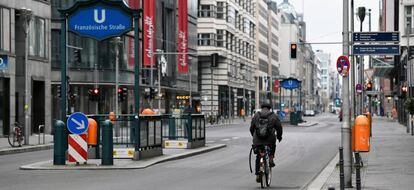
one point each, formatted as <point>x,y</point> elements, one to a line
<point>309,113</point>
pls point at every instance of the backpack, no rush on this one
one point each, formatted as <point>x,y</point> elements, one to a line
<point>263,128</point>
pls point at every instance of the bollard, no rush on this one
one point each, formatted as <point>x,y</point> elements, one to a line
<point>341,169</point>
<point>107,143</point>
<point>358,171</point>
<point>59,143</point>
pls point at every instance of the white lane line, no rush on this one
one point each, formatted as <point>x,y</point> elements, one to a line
<point>225,139</point>
<point>235,138</point>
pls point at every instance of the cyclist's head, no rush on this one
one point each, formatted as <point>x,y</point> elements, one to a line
<point>266,105</point>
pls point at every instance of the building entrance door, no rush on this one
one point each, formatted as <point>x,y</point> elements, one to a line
<point>4,106</point>
<point>38,105</point>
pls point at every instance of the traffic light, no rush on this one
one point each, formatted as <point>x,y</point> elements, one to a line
<point>122,93</point>
<point>404,90</point>
<point>94,94</point>
<point>152,93</point>
<point>293,50</point>
<point>77,56</point>
<point>59,91</point>
<point>369,86</point>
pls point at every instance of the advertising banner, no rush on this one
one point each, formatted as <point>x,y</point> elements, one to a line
<point>182,36</point>
<point>149,32</point>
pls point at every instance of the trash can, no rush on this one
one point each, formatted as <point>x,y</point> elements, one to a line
<point>294,118</point>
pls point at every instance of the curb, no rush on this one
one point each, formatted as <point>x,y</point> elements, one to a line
<point>30,148</point>
<point>133,165</point>
<point>319,180</point>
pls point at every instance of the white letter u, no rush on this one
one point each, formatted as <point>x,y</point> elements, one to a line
<point>102,19</point>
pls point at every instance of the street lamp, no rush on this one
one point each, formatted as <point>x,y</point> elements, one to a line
<point>26,15</point>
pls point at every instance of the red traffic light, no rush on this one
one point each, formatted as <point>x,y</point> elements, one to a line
<point>404,89</point>
<point>119,90</point>
<point>95,91</point>
<point>293,46</point>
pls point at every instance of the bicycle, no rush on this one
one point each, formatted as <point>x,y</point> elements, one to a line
<point>15,137</point>
<point>265,171</point>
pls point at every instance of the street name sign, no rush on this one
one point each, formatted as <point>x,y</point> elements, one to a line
<point>343,65</point>
<point>381,49</point>
<point>4,62</point>
<point>100,21</point>
<point>376,36</point>
<point>77,123</point>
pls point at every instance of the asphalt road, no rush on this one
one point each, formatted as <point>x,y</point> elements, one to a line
<point>301,155</point>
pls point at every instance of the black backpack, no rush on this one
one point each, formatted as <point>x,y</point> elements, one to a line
<point>263,127</point>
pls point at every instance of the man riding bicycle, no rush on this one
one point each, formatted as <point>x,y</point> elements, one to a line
<point>263,127</point>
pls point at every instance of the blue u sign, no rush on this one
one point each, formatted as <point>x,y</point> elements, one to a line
<point>290,83</point>
<point>3,62</point>
<point>100,21</point>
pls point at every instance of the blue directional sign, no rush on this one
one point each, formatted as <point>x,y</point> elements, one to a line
<point>4,62</point>
<point>100,21</point>
<point>381,49</point>
<point>376,37</point>
<point>290,83</point>
<point>77,123</point>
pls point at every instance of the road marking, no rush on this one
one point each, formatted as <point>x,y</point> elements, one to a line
<point>225,139</point>
<point>235,138</point>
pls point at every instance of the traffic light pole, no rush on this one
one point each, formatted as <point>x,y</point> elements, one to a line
<point>117,41</point>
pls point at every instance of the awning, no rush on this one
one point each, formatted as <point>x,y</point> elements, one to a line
<point>382,66</point>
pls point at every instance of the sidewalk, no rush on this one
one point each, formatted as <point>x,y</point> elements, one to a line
<point>234,121</point>
<point>34,144</point>
<point>95,164</point>
<point>389,164</point>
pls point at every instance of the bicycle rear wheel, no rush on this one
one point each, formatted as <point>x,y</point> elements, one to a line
<point>12,138</point>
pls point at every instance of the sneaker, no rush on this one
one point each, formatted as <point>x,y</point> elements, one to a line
<point>258,179</point>
<point>272,163</point>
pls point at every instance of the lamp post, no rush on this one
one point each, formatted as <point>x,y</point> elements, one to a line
<point>26,15</point>
<point>361,15</point>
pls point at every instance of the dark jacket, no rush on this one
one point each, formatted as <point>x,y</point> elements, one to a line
<point>275,123</point>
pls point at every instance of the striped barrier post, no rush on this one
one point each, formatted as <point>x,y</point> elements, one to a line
<point>78,148</point>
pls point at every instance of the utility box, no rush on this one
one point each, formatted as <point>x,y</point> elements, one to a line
<point>361,134</point>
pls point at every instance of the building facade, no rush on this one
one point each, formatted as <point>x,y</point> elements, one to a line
<point>324,61</point>
<point>25,65</point>
<point>226,55</point>
<point>96,70</point>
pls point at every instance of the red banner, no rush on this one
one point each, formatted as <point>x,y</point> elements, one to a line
<point>133,4</point>
<point>276,86</point>
<point>149,32</point>
<point>182,36</point>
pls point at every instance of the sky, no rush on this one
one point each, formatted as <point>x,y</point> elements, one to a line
<point>324,21</point>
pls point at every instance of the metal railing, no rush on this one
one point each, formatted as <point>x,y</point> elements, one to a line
<point>184,127</point>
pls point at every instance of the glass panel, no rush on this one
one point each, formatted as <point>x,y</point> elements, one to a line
<point>5,27</point>
<point>32,38</point>
<point>41,29</point>
<point>151,135</point>
<point>158,130</point>
<point>143,135</point>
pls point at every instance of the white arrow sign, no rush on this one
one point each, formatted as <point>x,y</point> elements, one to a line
<point>81,125</point>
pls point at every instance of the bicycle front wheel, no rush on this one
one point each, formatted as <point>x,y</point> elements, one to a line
<point>12,138</point>
<point>268,176</point>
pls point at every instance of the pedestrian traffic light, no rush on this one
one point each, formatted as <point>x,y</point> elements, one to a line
<point>369,86</point>
<point>122,93</point>
<point>94,94</point>
<point>77,56</point>
<point>293,50</point>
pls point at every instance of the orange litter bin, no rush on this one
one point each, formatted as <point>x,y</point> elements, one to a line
<point>361,134</point>
<point>92,132</point>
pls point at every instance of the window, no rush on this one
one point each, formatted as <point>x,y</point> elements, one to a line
<point>246,26</point>
<point>206,11</point>
<point>220,10</point>
<point>231,15</point>
<point>409,19</point>
<point>220,38</point>
<point>5,29</point>
<point>37,37</point>
<point>229,45</point>
<point>206,39</point>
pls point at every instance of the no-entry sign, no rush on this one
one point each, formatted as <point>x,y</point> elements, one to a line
<point>343,65</point>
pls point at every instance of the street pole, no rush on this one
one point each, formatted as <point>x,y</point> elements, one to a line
<point>212,69</point>
<point>353,81</point>
<point>116,41</point>
<point>370,63</point>
<point>345,130</point>
<point>190,81</point>
<point>361,15</point>
<point>408,70</point>
<point>27,17</point>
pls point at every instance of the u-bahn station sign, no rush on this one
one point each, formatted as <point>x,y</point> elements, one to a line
<point>99,20</point>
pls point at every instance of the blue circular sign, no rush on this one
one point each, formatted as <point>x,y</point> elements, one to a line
<point>77,123</point>
<point>100,21</point>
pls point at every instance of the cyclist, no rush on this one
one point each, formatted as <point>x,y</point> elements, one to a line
<point>265,117</point>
